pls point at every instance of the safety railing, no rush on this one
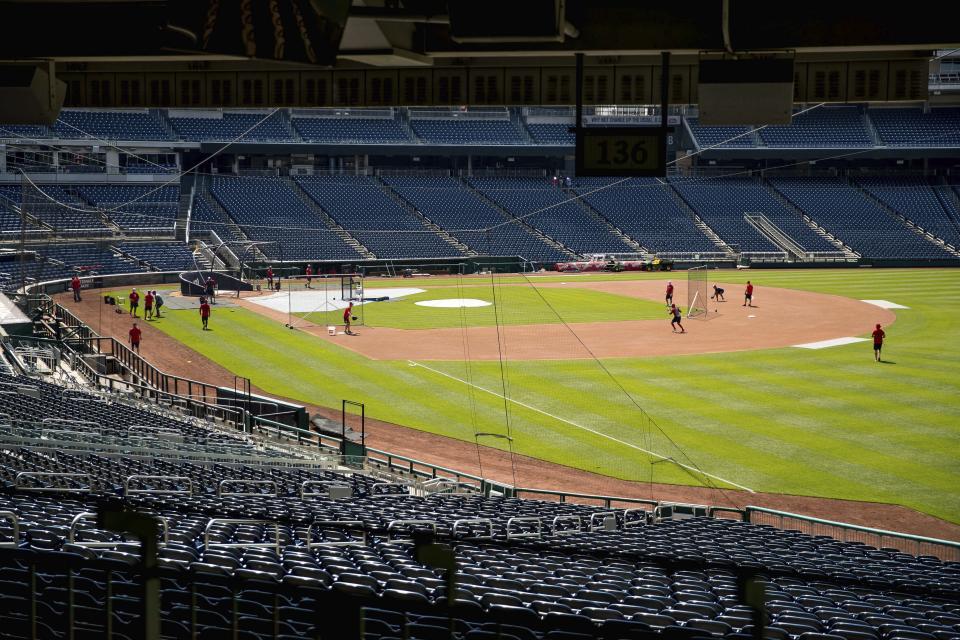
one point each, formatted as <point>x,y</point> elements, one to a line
<point>946,550</point>
<point>106,544</point>
<point>468,524</point>
<point>349,527</point>
<point>246,484</point>
<point>397,463</point>
<point>329,489</point>
<point>14,541</point>
<point>584,498</point>
<point>409,526</point>
<point>566,525</point>
<point>239,545</point>
<point>127,491</point>
<point>24,475</point>
<point>603,521</point>
<point>526,527</point>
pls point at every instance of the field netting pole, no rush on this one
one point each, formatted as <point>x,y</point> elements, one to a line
<point>697,299</point>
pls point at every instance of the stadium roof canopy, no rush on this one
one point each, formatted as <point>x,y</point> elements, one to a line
<point>491,44</point>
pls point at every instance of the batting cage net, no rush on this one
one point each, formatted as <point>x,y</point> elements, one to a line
<point>313,301</point>
<point>697,297</point>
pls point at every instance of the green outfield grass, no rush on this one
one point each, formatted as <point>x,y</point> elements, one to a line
<point>828,423</point>
<point>510,304</point>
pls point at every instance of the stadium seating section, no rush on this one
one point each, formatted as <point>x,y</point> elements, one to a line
<point>823,127</point>
<point>848,214</point>
<point>379,222</point>
<point>472,219</point>
<point>913,128</point>
<point>550,210</point>
<point>459,131</point>
<point>351,130</point>
<point>110,125</point>
<point>228,126</point>
<point>647,210</point>
<point>270,211</point>
<point>277,572</point>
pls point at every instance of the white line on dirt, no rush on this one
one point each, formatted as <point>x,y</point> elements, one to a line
<point>579,426</point>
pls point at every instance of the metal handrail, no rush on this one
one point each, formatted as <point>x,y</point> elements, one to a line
<point>49,474</point>
<point>394,524</point>
<point>221,493</point>
<point>128,491</point>
<point>558,520</point>
<point>604,517</point>
<point>563,495</point>
<point>627,523</point>
<point>12,517</point>
<point>538,534</point>
<point>749,510</point>
<point>236,545</point>
<point>356,524</point>
<point>376,489</point>
<point>321,483</point>
<point>465,521</point>
<point>71,534</point>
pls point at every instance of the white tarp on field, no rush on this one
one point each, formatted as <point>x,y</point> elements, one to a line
<point>885,304</point>
<point>453,303</point>
<point>836,342</point>
<point>306,301</point>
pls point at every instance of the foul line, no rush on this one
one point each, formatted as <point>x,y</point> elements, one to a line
<point>579,426</point>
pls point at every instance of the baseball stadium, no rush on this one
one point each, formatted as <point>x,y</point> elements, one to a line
<point>439,319</point>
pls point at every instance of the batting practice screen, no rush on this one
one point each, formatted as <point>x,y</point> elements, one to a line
<point>697,297</point>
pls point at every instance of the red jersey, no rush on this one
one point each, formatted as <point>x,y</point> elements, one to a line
<point>269,272</point>
<point>135,335</point>
<point>309,271</point>
<point>205,310</point>
<point>346,314</point>
<point>749,289</point>
<point>148,300</point>
<point>75,283</point>
<point>134,297</point>
<point>669,289</point>
<point>878,336</point>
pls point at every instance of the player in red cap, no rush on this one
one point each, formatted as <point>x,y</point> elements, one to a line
<point>148,305</point>
<point>75,285</point>
<point>309,274</point>
<point>748,295</point>
<point>878,336</point>
<point>669,293</point>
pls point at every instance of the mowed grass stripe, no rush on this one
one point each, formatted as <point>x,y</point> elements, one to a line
<point>829,422</point>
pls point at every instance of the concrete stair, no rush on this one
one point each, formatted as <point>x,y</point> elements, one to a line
<point>599,217</point>
<point>699,223</point>
<point>424,220</point>
<point>907,222</point>
<point>559,246</point>
<point>328,220</point>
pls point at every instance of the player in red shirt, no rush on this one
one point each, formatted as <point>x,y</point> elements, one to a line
<point>270,277</point>
<point>878,336</point>
<point>677,318</point>
<point>309,273</point>
<point>204,312</point>
<point>148,305</point>
<point>669,293</point>
<point>134,302</point>
<point>748,295</point>
<point>75,285</point>
<point>135,334</point>
<point>347,317</point>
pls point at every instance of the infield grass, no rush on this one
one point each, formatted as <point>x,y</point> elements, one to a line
<point>830,422</point>
<point>512,304</point>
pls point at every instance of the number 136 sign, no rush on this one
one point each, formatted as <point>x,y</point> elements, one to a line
<point>621,151</point>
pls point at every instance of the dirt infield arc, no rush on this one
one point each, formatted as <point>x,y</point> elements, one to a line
<point>781,318</point>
